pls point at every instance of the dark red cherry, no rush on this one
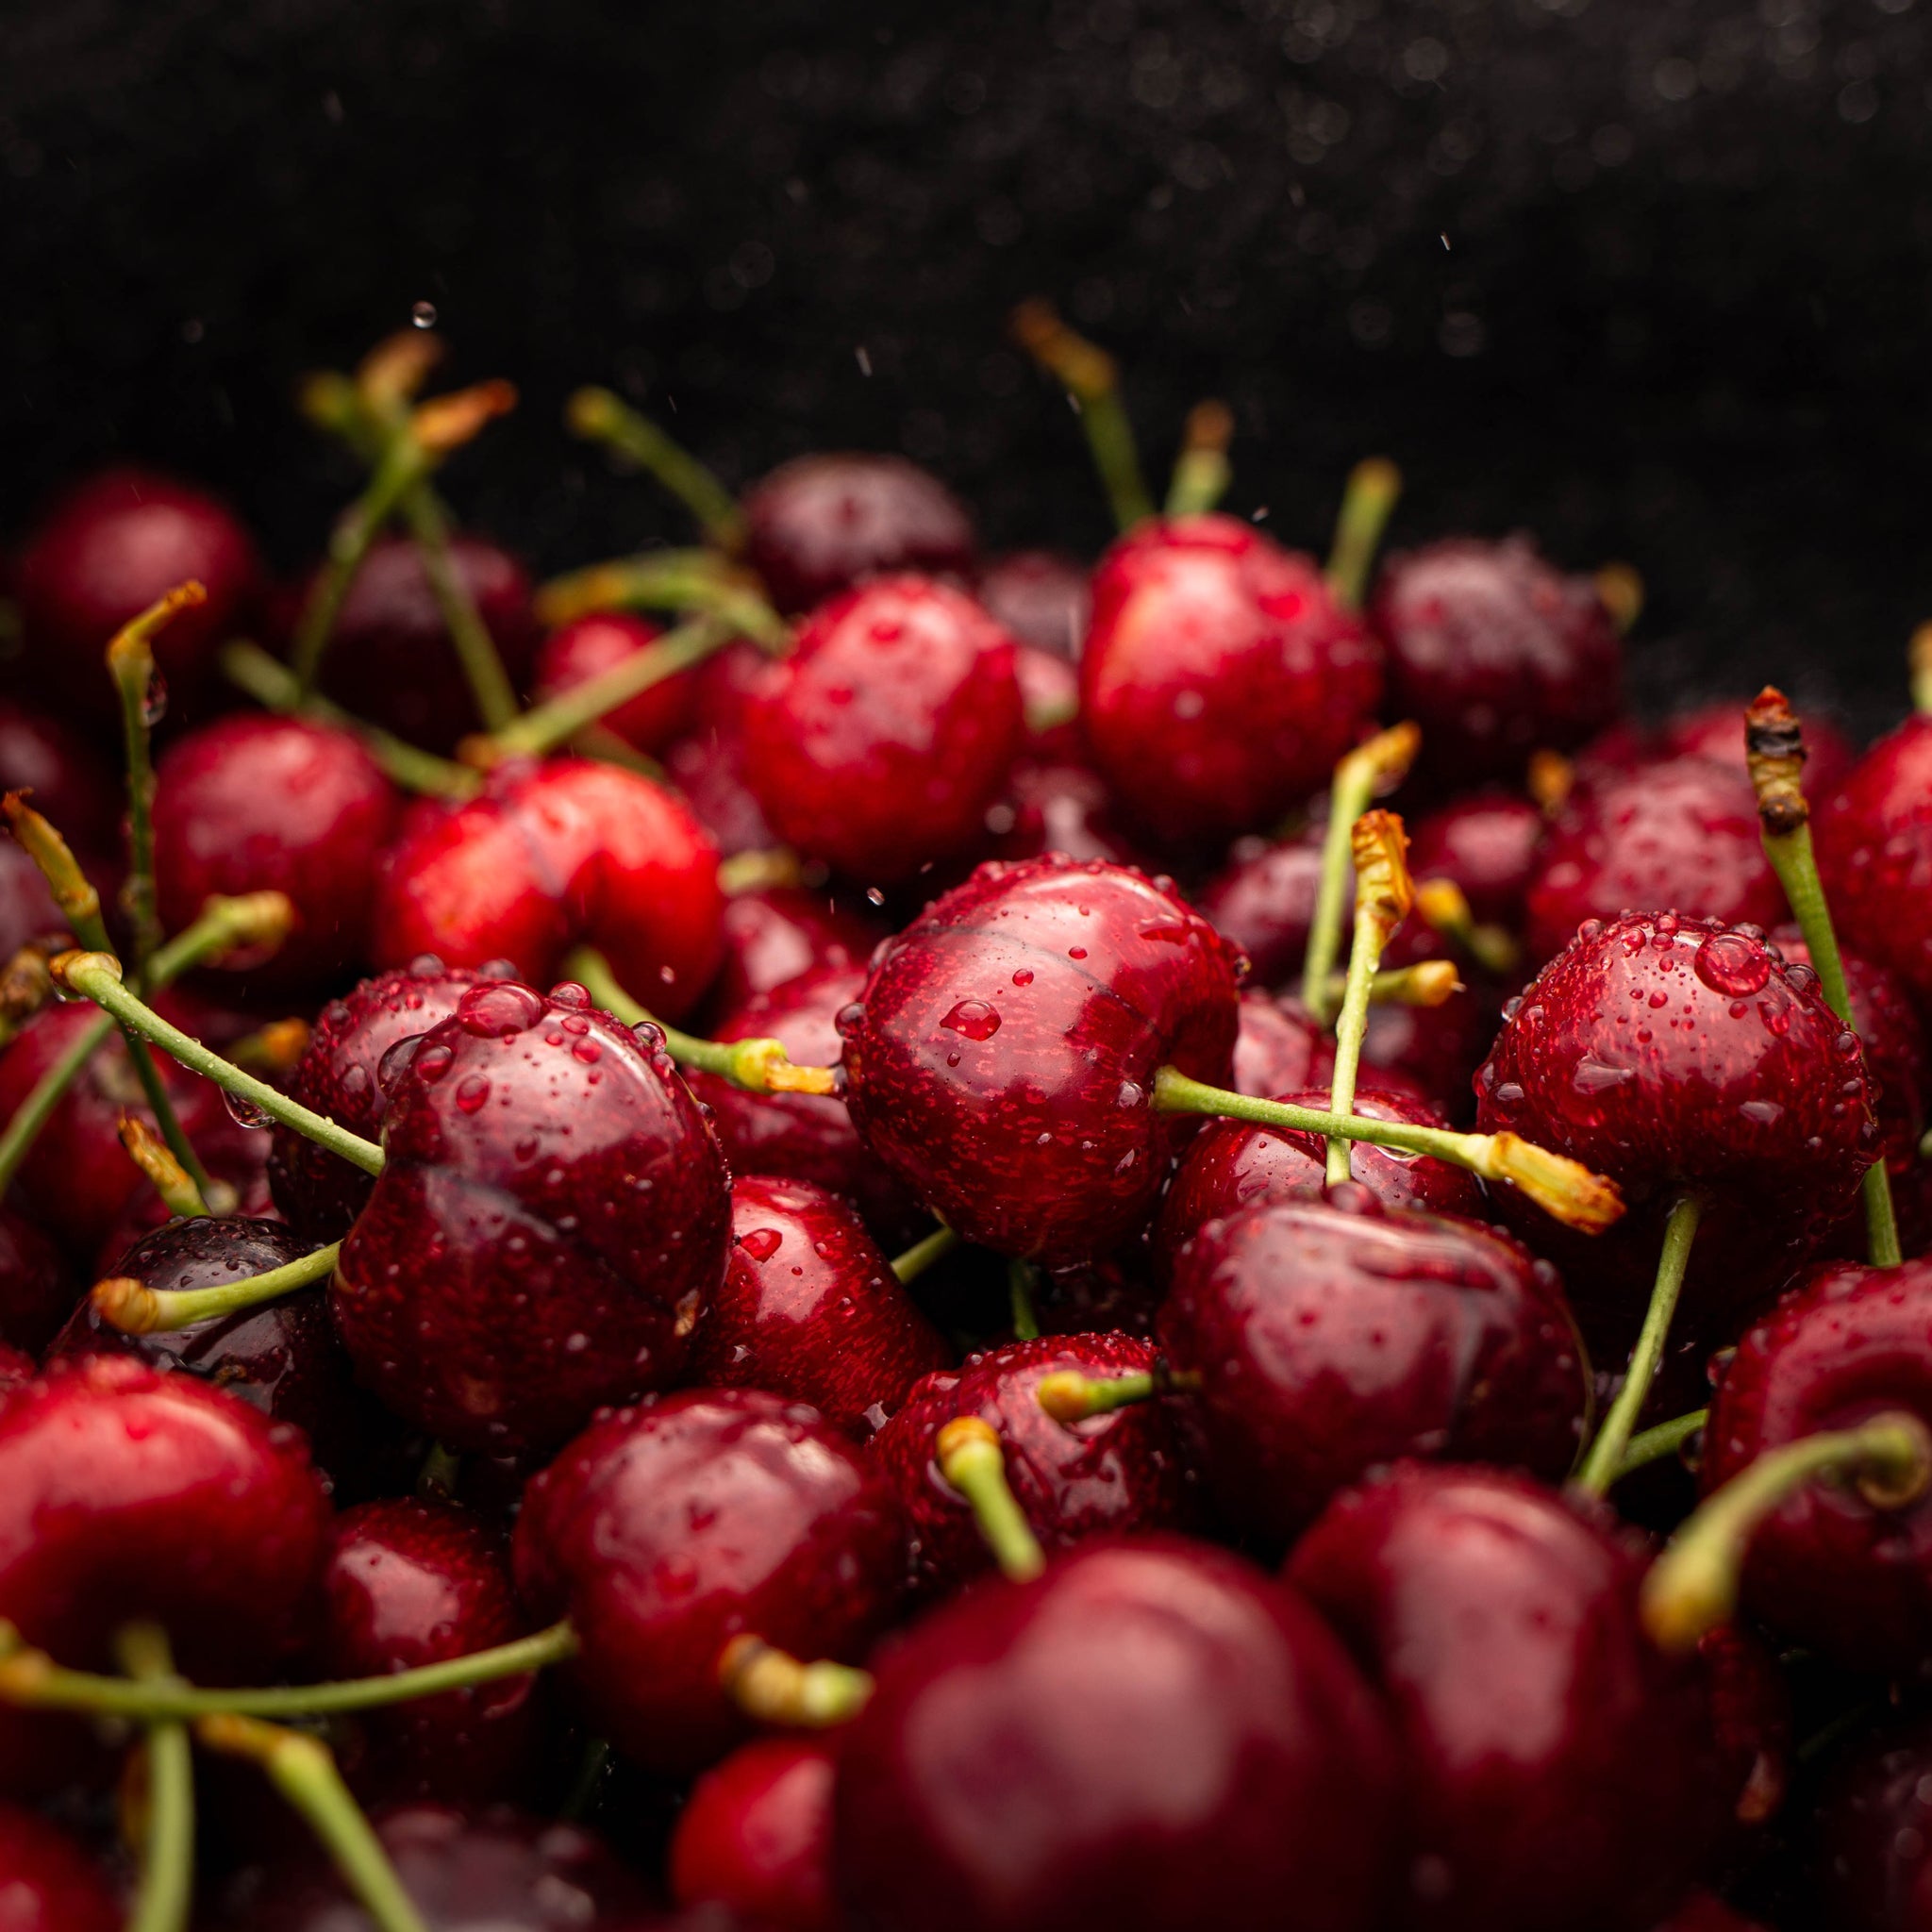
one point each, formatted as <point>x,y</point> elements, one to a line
<point>1220,680</point>
<point>756,1836</point>
<point>1559,1771</point>
<point>70,782</point>
<point>390,658</point>
<point>821,524</point>
<point>1495,653</point>
<point>1751,1715</point>
<point>1264,902</point>
<point>708,763</point>
<point>550,855</point>
<point>408,1584</point>
<point>1001,1058</point>
<point>1044,599</point>
<point>1875,850</point>
<point>1716,730</point>
<point>1063,808</point>
<point>810,1309</point>
<point>1110,1474</point>
<point>1150,1735</point>
<point>552,1216</point>
<point>1434,1049</point>
<point>1870,1830</point>
<point>35,1292</point>
<point>252,803</point>
<point>47,1882</point>
<point>1332,1337</point>
<point>1234,1164</point>
<point>1671,835</point>
<point>339,1074</point>
<point>599,643</point>
<point>879,743</point>
<point>665,1531</point>
<point>28,911</point>
<point>1280,1049</point>
<point>1487,843</point>
<point>775,933</point>
<point>102,553</point>
<point>1097,1297</point>
<point>1704,1911</point>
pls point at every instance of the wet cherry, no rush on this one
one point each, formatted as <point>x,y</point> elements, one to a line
<point>599,643</point>
<point>47,1882</point>
<point>1043,598</point>
<point>35,1292</point>
<point>1281,1048</point>
<point>1487,844</point>
<point>775,933</point>
<point>70,782</point>
<point>755,1836</point>
<point>1869,1835</point>
<point>1264,902</point>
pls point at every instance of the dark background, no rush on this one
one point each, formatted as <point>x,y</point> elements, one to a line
<point>1653,280</point>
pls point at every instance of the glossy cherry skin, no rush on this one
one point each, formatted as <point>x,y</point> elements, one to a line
<point>756,1836</point>
<point>1559,1771</point>
<point>1673,836</point>
<point>1487,844</point>
<point>1060,806</point>
<point>1044,599</point>
<point>1264,902</point>
<point>70,782</point>
<point>407,1584</point>
<point>1150,1735</point>
<point>1220,680</point>
<point>553,1214</point>
<point>821,524</point>
<point>1001,1058</point>
<point>1870,1830</point>
<point>253,802</point>
<point>35,1292</point>
<point>1875,850</point>
<point>550,855</point>
<point>664,1531</point>
<point>339,1075</point>
<point>102,553</point>
<point>810,1309</point>
<point>879,743</point>
<point>47,1883</point>
<point>1231,1164</point>
<point>1279,1049</point>
<point>599,643</point>
<point>775,933</point>
<point>708,763</point>
<point>1333,1336</point>
<point>1495,653</point>
<point>1109,1475</point>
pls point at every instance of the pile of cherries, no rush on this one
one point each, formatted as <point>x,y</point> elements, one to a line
<point>827,1232</point>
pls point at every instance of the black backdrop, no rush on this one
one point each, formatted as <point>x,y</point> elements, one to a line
<point>1652,280</point>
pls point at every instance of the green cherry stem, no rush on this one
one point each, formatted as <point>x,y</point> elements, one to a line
<point>1666,1438</point>
<point>1201,472</point>
<point>482,664</point>
<point>599,416</point>
<point>135,1308</point>
<point>1383,896</point>
<point>1022,1277</point>
<point>1373,486</point>
<point>775,1688</point>
<point>1092,379</point>
<point>1775,753</point>
<point>168,1179</point>
<point>1071,1396</point>
<point>922,1254</point>
<point>967,1450</point>
<point>1604,1460</point>
<point>165,1894</point>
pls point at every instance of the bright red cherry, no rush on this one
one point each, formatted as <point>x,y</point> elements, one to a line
<point>255,803</point>
<point>1001,1058</point>
<point>1870,1831</point>
<point>1220,680</point>
<point>1280,1049</point>
<point>47,1882</point>
<point>756,1836</point>
<point>810,1309</point>
<point>878,745</point>
<point>1264,903</point>
<point>821,524</point>
<point>1044,599</point>
<point>599,643</point>
<point>35,1292</point>
<point>1559,1771</point>
<point>1110,1474</point>
<point>775,933</point>
<point>1150,1735</point>
<point>552,1216</point>
<point>1487,844</point>
<point>69,781</point>
<point>664,1532</point>
<point>1495,653</point>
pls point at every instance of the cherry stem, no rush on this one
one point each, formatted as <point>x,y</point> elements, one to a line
<point>922,1254</point>
<point>1378,765</point>
<point>440,1474</point>
<point>1654,1445</point>
<point>1775,753</point>
<point>303,1768</point>
<point>135,1308</point>
<point>1069,1395</point>
<point>1445,910</point>
<point>170,1180</point>
<point>1092,379</point>
<point>275,687</point>
<point>754,1066</point>
<point>1604,1459</point>
<point>1620,589</point>
<point>777,1689</point>
<point>760,871</point>
<point>165,1894</point>
<point>1367,502</point>
<point>599,416</point>
<point>97,976</point>
<point>1383,896</point>
<point>32,1678</point>
<point>652,580</point>
<point>1919,658</point>
<point>1021,1279</point>
<point>1426,983</point>
<point>547,726</point>
<point>25,987</point>
<point>1561,1187</point>
<point>482,664</point>
<point>1693,1588</point>
<point>1201,472</point>
<point>969,1455</point>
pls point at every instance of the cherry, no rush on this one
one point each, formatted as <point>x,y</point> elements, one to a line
<point>1560,1771</point>
<point>1050,704</point>
<point>1044,599</point>
<point>755,1835</point>
<point>1115,1473</point>
<point>1096,1298</point>
<point>1679,835</point>
<point>239,1164</point>
<point>1264,903</point>
<point>549,856</point>
<point>708,765</point>
<point>1149,1735</point>
<point>1716,730</point>
<point>28,911</point>
<point>772,934</point>
<point>665,1532</point>
<point>821,524</point>
<point>597,643</point>
<point>255,803</point>
<point>878,745</point>
<point>810,1309</point>
<point>1495,653</point>
<point>1281,1048</point>
<point>36,1293</point>
<point>1221,678</point>
<point>1751,1717</point>
<point>553,1213</point>
<point>67,779</point>
<point>47,1882</point>
<point>1063,808</point>
<point>102,553</point>
<point>1001,1058</point>
<point>407,1584</point>
<point>339,1075</point>
<point>1487,844</point>
<point>1869,1835</point>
